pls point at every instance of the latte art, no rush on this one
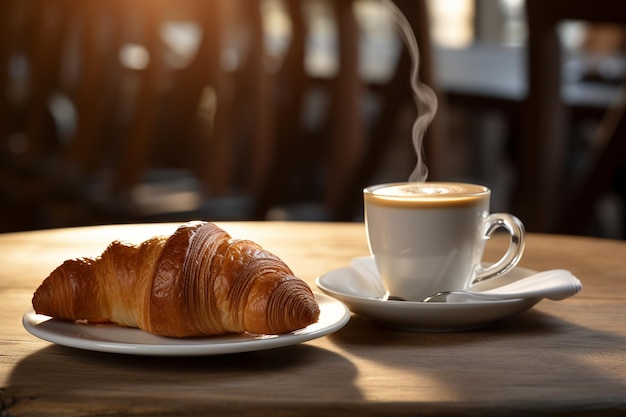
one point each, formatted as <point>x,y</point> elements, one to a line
<point>431,194</point>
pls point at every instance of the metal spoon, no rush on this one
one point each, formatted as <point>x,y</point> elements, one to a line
<point>442,296</point>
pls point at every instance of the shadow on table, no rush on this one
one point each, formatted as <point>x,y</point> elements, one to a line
<point>245,384</point>
<point>531,360</point>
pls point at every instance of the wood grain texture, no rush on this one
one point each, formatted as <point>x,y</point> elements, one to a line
<point>559,358</point>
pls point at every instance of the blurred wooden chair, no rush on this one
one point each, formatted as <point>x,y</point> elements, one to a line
<point>74,50</point>
<point>332,156</point>
<point>351,146</point>
<point>545,200</point>
<point>31,49</point>
<point>225,130</point>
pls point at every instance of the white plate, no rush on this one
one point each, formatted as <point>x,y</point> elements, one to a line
<point>111,338</point>
<point>361,297</point>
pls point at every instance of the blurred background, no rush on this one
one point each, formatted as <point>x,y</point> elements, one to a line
<point>158,110</point>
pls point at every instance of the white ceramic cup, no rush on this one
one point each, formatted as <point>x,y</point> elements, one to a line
<point>430,237</point>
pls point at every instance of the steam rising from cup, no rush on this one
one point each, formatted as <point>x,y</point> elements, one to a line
<point>425,98</point>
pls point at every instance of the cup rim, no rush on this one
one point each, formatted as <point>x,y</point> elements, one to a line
<point>480,190</point>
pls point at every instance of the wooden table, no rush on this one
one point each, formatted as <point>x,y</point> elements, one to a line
<point>559,358</point>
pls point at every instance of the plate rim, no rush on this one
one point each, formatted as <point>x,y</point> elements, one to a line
<point>377,311</point>
<point>412,304</point>
<point>203,346</point>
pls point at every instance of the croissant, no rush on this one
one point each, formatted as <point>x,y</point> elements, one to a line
<point>196,282</point>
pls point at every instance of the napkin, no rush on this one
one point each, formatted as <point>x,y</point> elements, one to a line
<point>554,284</point>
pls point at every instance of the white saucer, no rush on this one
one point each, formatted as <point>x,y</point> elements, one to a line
<point>364,299</point>
<point>115,339</point>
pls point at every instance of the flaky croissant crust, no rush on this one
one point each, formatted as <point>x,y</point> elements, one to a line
<point>196,282</point>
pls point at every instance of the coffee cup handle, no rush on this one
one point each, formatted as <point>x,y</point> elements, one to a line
<point>512,256</point>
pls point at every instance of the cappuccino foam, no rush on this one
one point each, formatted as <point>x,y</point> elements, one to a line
<point>435,194</point>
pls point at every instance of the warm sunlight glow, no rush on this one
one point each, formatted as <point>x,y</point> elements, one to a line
<point>183,40</point>
<point>134,56</point>
<point>452,22</point>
